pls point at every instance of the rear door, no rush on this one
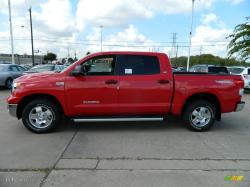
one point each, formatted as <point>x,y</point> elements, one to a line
<point>145,85</point>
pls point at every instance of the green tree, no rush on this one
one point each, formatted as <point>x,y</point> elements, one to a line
<point>207,59</point>
<point>50,57</point>
<point>70,60</point>
<point>240,42</point>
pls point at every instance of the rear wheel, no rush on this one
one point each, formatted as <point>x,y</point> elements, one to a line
<point>8,83</point>
<point>41,116</point>
<point>199,115</point>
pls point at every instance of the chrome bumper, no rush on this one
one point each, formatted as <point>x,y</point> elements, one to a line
<point>240,105</point>
<point>12,108</point>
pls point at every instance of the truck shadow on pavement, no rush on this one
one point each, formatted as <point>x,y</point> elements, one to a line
<point>169,124</point>
<point>3,88</point>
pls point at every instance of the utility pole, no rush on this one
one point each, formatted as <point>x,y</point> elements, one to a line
<point>201,50</point>
<point>11,35</point>
<point>68,51</point>
<point>174,44</point>
<point>31,36</point>
<point>176,54</point>
<point>190,35</point>
<point>101,27</point>
<point>75,56</point>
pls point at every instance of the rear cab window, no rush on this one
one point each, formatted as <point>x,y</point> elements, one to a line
<point>219,70</point>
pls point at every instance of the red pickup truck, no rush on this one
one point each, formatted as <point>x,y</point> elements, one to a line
<point>123,86</point>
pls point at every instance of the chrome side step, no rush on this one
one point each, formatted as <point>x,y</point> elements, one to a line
<point>117,119</point>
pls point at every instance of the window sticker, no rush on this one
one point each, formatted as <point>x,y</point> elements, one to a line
<point>128,71</point>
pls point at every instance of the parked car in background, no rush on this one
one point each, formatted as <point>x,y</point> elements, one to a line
<point>243,71</point>
<point>8,72</point>
<point>5,62</point>
<point>209,69</point>
<point>26,66</point>
<point>44,68</point>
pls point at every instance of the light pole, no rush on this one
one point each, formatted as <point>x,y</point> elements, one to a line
<point>31,36</point>
<point>190,36</point>
<point>101,27</point>
<point>11,35</point>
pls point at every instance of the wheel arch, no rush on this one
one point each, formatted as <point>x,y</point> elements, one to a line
<point>7,78</point>
<point>211,98</point>
<point>31,97</point>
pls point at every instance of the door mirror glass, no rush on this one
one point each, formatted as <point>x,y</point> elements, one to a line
<point>79,71</point>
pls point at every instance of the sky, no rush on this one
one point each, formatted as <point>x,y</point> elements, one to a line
<point>70,28</point>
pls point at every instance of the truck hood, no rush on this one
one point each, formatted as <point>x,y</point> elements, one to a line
<point>37,77</point>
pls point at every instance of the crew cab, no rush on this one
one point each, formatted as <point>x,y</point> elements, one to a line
<point>123,86</point>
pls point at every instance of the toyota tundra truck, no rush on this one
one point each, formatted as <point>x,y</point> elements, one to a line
<point>123,86</point>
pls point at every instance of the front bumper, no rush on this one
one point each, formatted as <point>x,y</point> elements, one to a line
<point>239,106</point>
<point>12,108</point>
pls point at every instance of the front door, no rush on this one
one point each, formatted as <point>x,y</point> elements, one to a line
<point>96,92</point>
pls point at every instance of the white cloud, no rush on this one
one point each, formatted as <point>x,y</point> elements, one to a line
<point>117,12</point>
<point>236,2</point>
<point>129,39</point>
<point>211,36</point>
<point>111,13</point>
<point>55,19</point>
<point>56,14</point>
<point>209,18</point>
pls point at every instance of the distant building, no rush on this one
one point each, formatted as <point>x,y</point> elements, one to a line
<point>21,59</point>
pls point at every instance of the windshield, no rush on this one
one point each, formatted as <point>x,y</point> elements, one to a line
<point>42,68</point>
<point>3,68</point>
<point>59,68</point>
<point>235,70</point>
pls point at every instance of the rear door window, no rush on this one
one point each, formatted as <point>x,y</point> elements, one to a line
<point>140,65</point>
<point>220,70</point>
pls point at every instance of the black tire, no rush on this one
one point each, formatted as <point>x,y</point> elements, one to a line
<point>8,83</point>
<point>43,105</point>
<point>197,121</point>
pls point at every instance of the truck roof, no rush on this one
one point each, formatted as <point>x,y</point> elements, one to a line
<point>127,53</point>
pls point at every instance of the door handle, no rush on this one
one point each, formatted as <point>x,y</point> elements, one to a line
<point>111,82</point>
<point>162,81</point>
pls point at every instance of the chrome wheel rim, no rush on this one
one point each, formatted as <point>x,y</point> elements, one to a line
<point>201,116</point>
<point>41,117</point>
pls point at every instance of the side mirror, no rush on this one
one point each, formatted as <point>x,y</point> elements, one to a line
<point>79,71</point>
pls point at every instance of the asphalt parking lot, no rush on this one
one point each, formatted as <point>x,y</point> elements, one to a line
<point>125,154</point>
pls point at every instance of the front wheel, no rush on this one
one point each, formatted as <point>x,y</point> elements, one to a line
<point>199,115</point>
<point>41,116</point>
<point>8,83</point>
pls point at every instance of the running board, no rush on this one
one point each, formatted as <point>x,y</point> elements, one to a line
<point>117,119</point>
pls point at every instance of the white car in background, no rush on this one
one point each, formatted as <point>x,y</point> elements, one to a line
<point>243,71</point>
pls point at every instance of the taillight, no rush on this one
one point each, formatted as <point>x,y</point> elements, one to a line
<point>239,82</point>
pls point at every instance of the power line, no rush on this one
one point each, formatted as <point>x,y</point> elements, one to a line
<point>138,46</point>
<point>68,40</point>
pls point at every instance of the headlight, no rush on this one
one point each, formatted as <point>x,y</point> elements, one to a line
<point>15,86</point>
